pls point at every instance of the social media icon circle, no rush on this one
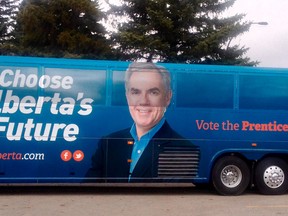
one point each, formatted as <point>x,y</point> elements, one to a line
<point>66,155</point>
<point>78,155</point>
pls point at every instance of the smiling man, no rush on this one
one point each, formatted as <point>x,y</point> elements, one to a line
<point>132,154</point>
<point>148,94</point>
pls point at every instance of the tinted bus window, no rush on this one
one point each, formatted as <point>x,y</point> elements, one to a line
<point>92,82</point>
<point>263,92</point>
<point>14,78</point>
<point>205,90</point>
<point>118,89</point>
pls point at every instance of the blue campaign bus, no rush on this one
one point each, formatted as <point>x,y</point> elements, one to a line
<point>60,117</point>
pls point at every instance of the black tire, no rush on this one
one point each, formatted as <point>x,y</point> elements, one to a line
<point>271,176</point>
<point>230,176</point>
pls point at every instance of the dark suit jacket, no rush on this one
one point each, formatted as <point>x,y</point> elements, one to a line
<point>111,161</point>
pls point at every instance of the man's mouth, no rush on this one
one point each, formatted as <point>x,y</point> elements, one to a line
<point>143,111</point>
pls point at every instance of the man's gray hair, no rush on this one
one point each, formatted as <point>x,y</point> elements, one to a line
<point>140,66</point>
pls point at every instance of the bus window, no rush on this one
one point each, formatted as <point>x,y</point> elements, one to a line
<point>200,90</point>
<point>68,82</point>
<point>263,92</point>
<point>14,78</point>
<point>118,89</point>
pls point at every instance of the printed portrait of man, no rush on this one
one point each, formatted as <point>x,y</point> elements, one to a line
<point>141,152</point>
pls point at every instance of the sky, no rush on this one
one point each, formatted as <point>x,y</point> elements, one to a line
<point>268,44</point>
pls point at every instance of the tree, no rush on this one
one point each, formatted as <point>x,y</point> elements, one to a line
<point>184,31</point>
<point>8,11</point>
<point>60,28</point>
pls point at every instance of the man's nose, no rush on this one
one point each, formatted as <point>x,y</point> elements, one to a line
<point>144,100</point>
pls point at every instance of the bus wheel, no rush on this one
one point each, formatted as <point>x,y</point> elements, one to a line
<point>271,176</point>
<point>230,175</point>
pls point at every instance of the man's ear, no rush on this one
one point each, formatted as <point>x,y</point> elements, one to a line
<point>168,97</point>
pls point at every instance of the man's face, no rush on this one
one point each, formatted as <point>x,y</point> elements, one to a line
<point>147,99</point>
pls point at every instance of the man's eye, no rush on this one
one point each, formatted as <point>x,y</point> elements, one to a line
<point>154,92</point>
<point>133,92</point>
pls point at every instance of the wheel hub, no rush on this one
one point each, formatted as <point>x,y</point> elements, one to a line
<point>231,176</point>
<point>274,176</point>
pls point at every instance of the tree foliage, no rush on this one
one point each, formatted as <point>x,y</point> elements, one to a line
<point>61,27</point>
<point>180,31</point>
<point>186,31</point>
<point>8,11</point>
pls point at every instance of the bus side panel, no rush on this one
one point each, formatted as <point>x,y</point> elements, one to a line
<point>55,114</point>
